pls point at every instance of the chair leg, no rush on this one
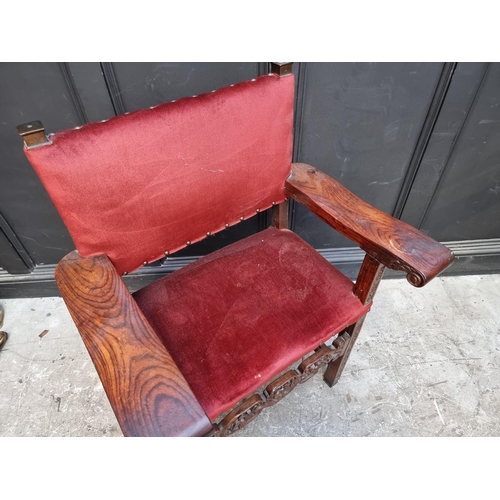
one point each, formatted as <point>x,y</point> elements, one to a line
<point>336,367</point>
<point>369,277</point>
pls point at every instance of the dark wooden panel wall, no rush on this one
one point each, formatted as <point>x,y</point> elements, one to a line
<point>466,203</point>
<point>360,123</point>
<point>30,91</point>
<point>418,140</point>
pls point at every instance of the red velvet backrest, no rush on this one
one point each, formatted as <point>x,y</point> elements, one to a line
<point>142,184</point>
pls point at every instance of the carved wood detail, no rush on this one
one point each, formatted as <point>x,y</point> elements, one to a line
<point>282,386</point>
<point>390,241</point>
<point>310,366</point>
<point>241,416</point>
<point>251,407</point>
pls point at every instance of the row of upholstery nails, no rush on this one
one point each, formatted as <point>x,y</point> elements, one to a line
<point>167,253</point>
<point>152,107</point>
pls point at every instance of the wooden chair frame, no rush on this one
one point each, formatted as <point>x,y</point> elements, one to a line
<point>147,391</point>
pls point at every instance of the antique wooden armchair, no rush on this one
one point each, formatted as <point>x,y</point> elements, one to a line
<point>178,354</point>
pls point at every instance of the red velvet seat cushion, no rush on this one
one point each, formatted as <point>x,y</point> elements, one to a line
<point>236,318</point>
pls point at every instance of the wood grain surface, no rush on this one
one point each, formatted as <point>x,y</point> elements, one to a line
<point>148,394</point>
<point>279,215</point>
<point>390,241</point>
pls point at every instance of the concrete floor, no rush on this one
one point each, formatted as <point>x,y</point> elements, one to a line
<point>427,364</point>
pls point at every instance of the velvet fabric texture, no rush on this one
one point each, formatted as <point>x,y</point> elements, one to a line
<point>149,182</point>
<point>236,318</point>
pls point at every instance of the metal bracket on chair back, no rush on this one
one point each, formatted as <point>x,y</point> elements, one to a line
<point>33,134</point>
<point>281,68</point>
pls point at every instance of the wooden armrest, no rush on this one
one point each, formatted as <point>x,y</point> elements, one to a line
<point>390,241</point>
<point>147,392</point>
